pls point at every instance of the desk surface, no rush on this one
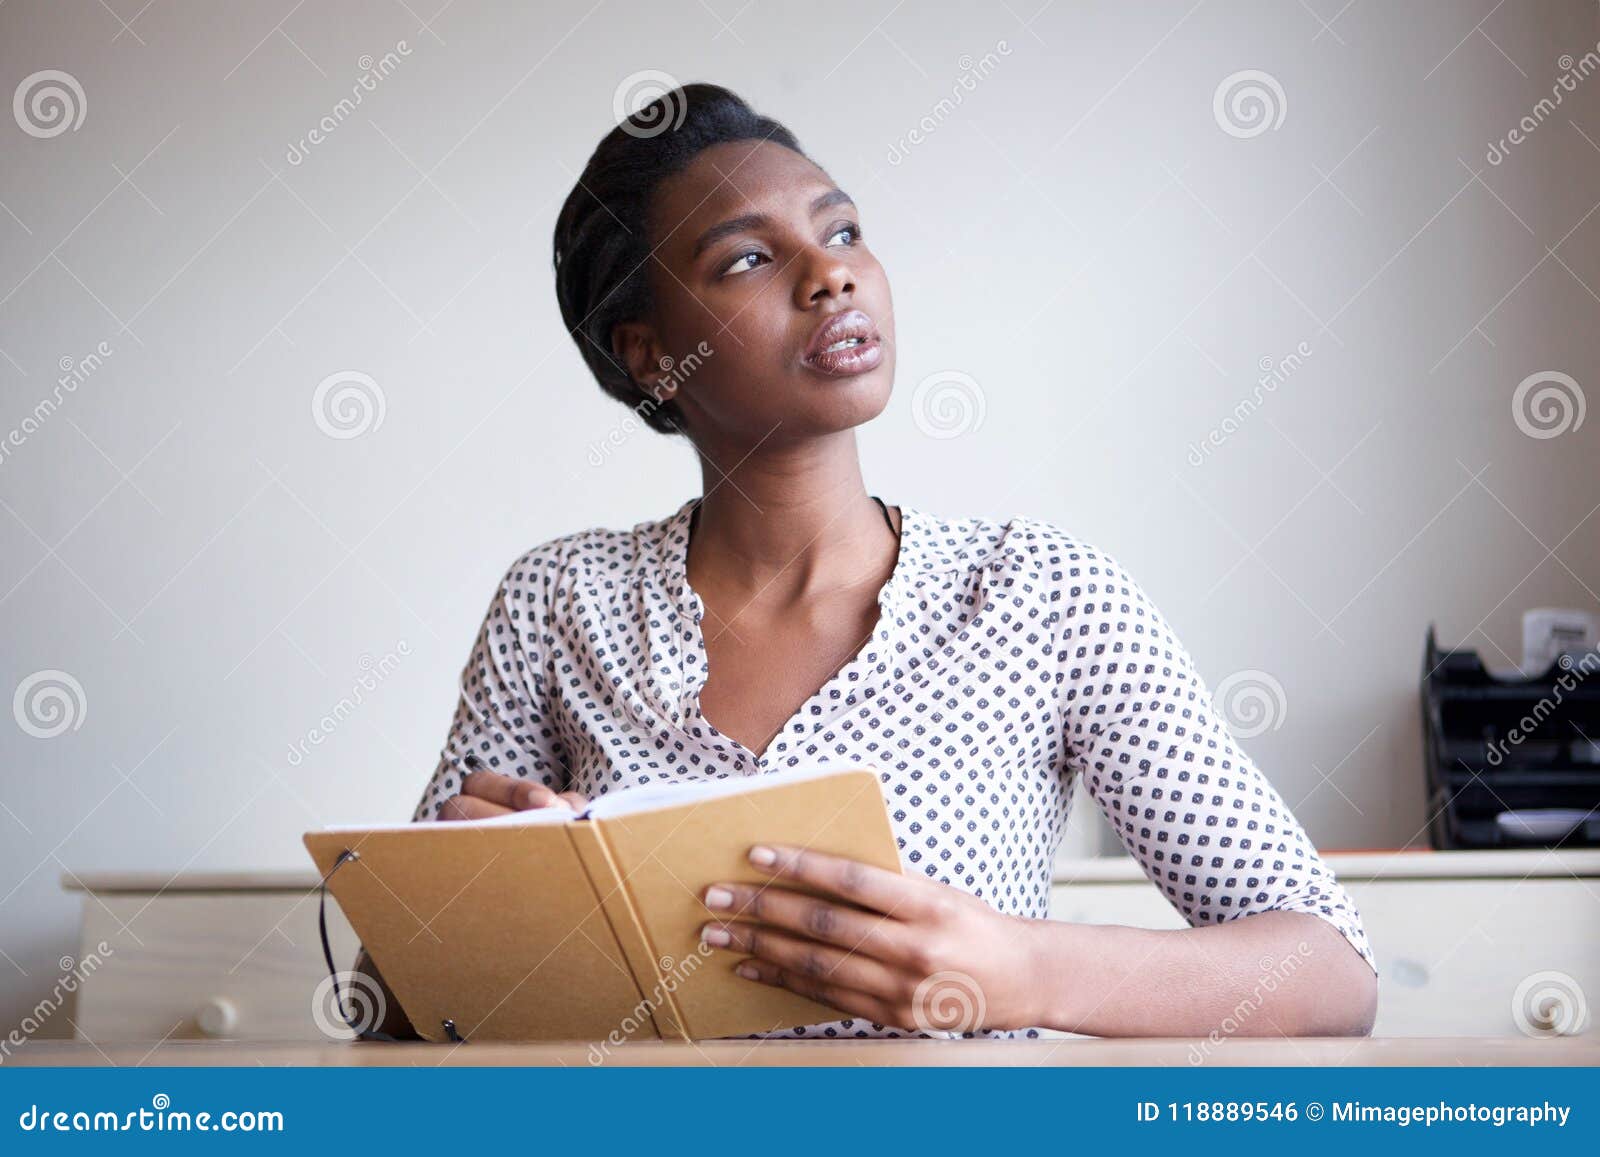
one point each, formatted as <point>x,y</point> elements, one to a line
<point>1067,1051</point>
<point>1507,863</point>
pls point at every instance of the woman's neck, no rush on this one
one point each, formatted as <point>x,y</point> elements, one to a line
<point>790,523</point>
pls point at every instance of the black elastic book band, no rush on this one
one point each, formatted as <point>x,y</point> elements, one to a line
<point>327,955</point>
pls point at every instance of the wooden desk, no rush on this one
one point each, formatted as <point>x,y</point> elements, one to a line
<point>1334,1051</point>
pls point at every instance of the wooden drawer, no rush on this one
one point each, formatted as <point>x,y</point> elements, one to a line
<point>187,965</point>
<point>1451,953</point>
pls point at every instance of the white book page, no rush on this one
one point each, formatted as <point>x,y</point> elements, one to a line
<point>629,801</point>
<point>633,800</point>
<point>543,815</point>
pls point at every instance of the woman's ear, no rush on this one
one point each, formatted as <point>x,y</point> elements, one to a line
<point>634,344</point>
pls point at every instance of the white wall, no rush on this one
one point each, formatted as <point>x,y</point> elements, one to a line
<point>1079,235</point>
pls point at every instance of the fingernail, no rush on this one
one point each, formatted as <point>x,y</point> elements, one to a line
<point>748,971</point>
<point>719,898</point>
<point>717,936</point>
<point>764,857</point>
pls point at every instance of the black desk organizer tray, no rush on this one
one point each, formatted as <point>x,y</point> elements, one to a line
<point>1520,745</point>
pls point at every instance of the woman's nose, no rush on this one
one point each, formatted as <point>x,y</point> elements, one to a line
<point>826,275</point>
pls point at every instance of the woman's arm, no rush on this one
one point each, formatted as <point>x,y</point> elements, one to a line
<point>1275,944</point>
<point>1272,974</point>
<point>909,951</point>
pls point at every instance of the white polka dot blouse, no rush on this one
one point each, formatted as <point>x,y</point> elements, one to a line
<point>1010,658</point>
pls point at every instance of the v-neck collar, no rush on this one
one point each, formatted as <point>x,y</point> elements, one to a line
<point>913,557</point>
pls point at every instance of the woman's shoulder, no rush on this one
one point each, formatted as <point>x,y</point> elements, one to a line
<point>1023,542</point>
<point>594,556</point>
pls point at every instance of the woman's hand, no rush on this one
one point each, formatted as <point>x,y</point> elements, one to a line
<point>896,950</point>
<point>488,793</point>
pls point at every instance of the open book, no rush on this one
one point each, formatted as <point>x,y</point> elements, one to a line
<point>559,925</point>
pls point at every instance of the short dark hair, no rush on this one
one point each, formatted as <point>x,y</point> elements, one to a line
<point>602,243</point>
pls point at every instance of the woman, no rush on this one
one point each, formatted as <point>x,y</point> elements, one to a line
<point>719,284</point>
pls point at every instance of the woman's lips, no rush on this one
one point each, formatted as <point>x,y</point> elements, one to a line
<point>842,363</point>
<point>856,338</point>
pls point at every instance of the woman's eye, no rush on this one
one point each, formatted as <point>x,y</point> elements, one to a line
<point>735,267</point>
<point>855,233</point>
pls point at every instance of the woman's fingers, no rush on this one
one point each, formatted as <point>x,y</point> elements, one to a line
<point>814,917</point>
<point>485,794</point>
<point>846,1000</point>
<point>840,967</point>
<point>469,807</point>
<point>511,793</point>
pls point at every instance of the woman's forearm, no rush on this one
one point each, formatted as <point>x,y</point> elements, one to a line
<point>1269,974</point>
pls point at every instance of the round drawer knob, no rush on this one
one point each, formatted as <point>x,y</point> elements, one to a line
<point>1409,973</point>
<point>217,1017</point>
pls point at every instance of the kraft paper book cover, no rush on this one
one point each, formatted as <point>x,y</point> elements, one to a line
<point>561,925</point>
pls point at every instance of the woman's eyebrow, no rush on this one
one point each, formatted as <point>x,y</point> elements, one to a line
<point>748,221</point>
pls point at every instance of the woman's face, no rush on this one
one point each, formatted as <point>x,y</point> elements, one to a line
<point>755,249</point>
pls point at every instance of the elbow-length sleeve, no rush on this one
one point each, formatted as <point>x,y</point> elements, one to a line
<point>1184,798</point>
<point>503,719</point>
